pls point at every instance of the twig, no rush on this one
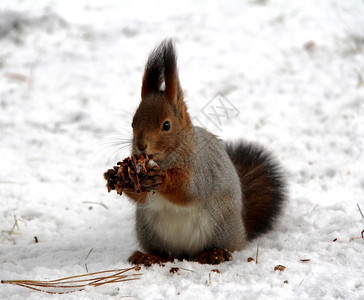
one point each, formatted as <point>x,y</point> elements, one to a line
<point>356,238</point>
<point>360,211</point>
<point>96,203</point>
<point>301,282</point>
<point>314,207</point>
<point>15,225</point>
<point>359,237</point>
<point>77,283</point>
<point>187,270</point>
<point>89,253</point>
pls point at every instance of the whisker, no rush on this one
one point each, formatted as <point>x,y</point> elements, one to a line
<point>114,141</point>
<point>108,148</point>
<point>122,112</point>
<point>125,130</point>
<point>111,153</point>
<point>115,152</point>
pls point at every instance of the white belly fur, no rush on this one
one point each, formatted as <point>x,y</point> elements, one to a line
<point>183,229</point>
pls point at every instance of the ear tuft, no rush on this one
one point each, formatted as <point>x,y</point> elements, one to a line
<point>170,70</point>
<point>161,68</point>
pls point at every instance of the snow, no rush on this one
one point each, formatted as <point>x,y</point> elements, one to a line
<point>70,82</point>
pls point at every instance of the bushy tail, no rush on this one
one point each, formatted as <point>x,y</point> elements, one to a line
<point>263,186</point>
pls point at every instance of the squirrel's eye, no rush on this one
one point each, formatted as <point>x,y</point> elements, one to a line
<point>166,126</point>
<point>132,125</point>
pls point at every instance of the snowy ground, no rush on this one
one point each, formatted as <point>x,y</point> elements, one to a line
<point>70,76</point>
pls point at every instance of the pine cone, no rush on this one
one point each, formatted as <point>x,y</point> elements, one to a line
<point>128,174</point>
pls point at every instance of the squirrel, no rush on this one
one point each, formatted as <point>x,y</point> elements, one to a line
<point>206,198</point>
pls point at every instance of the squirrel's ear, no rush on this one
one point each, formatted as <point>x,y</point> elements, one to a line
<point>152,78</point>
<point>170,71</point>
<point>162,67</point>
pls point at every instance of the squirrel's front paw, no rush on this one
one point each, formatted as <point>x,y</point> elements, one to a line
<point>154,179</point>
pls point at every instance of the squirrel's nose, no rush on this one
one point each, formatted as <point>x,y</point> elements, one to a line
<point>142,147</point>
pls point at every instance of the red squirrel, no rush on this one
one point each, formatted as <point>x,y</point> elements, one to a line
<point>206,198</point>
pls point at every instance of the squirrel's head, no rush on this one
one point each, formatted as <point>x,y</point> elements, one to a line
<point>161,124</point>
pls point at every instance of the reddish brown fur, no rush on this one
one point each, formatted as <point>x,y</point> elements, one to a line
<point>157,107</point>
<point>148,122</point>
<point>174,186</point>
<point>171,86</point>
<point>137,197</point>
<point>145,88</point>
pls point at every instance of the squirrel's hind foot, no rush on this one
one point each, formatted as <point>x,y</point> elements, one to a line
<point>140,258</point>
<point>213,256</point>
